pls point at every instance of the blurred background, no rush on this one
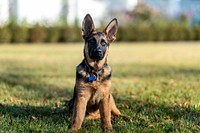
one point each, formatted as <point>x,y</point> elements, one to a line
<point>60,20</point>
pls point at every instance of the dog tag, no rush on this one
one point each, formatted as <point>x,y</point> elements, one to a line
<point>92,78</point>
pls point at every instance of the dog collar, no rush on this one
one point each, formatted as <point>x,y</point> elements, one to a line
<point>91,78</point>
<point>92,73</point>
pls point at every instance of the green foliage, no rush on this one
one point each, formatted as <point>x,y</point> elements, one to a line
<point>53,34</point>
<point>19,31</point>
<point>37,33</point>
<point>197,32</point>
<point>5,34</point>
<point>71,34</point>
<point>19,34</point>
<point>172,31</point>
<point>143,13</point>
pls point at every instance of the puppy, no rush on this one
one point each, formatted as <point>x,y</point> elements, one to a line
<point>92,98</point>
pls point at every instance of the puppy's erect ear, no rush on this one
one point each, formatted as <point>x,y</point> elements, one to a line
<point>87,26</point>
<point>111,30</point>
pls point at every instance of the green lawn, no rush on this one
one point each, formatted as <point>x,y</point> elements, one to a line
<point>157,84</point>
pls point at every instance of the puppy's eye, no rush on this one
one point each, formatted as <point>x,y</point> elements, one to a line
<point>103,43</point>
<point>92,41</point>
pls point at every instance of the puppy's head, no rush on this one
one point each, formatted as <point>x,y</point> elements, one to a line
<point>97,43</point>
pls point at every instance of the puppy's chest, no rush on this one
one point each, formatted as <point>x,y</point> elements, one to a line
<point>96,97</point>
<point>98,86</point>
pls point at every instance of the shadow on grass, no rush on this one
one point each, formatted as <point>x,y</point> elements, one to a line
<point>149,114</point>
<point>35,83</point>
<point>32,86</point>
<point>149,71</point>
<point>33,119</point>
<point>32,112</point>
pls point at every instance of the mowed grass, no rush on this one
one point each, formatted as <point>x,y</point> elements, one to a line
<point>157,84</point>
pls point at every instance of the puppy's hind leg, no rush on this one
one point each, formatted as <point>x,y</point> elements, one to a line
<point>115,111</point>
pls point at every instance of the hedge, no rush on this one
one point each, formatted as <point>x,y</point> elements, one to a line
<point>16,33</point>
<point>5,34</point>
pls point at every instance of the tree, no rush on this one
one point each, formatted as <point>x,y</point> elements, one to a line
<point>143,13</point>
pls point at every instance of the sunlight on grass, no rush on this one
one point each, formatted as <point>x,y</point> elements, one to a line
<point>157,84</point>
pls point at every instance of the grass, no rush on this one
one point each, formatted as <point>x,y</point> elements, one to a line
<point>158,85</point>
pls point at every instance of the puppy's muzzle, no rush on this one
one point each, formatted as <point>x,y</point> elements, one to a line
<point>99,53</point>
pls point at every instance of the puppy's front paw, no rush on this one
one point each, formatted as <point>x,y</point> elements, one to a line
<point>107,128</point>
<point>73,130</point>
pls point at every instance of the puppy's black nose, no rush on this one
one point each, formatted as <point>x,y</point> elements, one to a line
<point>99,50</point>
<point>98,53</point>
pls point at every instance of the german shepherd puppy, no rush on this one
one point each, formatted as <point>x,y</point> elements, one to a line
<point>92,98</point>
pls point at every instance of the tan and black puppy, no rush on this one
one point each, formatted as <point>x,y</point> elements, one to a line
<point>92,98</point>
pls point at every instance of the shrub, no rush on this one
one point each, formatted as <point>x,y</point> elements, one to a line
<point>37,33</point>
<point>5,35</point>
<point>19,34</point>
<point>143,31</point>
<point>129,33</point>
<point>174,32</point>
<point>189,34</point>
<point>71,34</point>
<point>53,34</point>
<point>196,31</point>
